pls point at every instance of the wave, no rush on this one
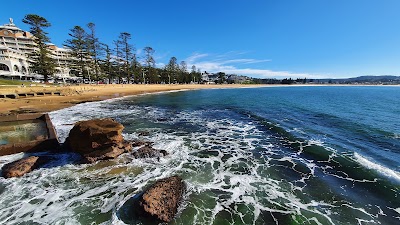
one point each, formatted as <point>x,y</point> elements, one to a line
<point>240,168</point>
<point>377,167</point>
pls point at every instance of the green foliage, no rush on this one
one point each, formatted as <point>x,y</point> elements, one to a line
<point>78,45</point>
<point>106,64</point>
<point>41,61</point>
<point>287,81</point>
<point>93,48</point>
<point>221,78</point>
<point>124,50</point>
<point>172,70</point>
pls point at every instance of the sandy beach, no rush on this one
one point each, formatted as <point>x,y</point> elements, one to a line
<point>72,95</point>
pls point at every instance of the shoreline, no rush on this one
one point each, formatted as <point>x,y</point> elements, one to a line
<point>73,95</point>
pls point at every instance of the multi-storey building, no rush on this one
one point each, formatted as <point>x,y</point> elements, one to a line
<point>16,44</point>
<point>63,60</point>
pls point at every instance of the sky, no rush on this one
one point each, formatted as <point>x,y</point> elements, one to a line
<point>257,38</point>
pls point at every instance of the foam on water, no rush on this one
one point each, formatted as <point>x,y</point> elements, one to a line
<point>236,173</point>
<point>379,168</point>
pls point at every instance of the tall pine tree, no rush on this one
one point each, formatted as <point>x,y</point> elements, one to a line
<point>78,45</point>
<point>41,61</point>
<point>126,53</point>
<point>93,47</point>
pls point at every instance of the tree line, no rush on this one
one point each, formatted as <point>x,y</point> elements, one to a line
<point>91,59</point>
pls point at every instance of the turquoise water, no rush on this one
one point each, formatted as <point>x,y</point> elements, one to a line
<point>276,155</point>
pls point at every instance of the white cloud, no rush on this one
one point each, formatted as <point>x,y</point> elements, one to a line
<point>226,63</point>
<point>194,57</point>
<point>160,65</point>
<point>245,61</point>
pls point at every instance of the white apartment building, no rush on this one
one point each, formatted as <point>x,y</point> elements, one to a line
<point>14,62</point>
<point>14,44</point>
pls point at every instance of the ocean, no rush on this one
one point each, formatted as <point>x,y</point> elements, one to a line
<point>271,155</point>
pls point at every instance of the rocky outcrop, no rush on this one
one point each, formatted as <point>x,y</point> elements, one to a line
<point>162,199</point>
<point>98,139</point>
<point>20,167</point>
<point>149,152</point>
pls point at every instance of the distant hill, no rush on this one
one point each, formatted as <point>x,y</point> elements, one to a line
<point>383,78</point>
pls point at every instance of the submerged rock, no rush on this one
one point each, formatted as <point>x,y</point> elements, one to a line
<point>143,133</point>
<point>98,139</point>
<point>20,167</point>
<point>107,152</point>
<point>149,152</point>
<point>138,143</point>
<point>162,199</point>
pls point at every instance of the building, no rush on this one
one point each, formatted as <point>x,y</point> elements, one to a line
<point>63,59</point>
<point>209,78</point>
<point>16,44</point>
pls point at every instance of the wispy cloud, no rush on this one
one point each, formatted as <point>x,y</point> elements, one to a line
<point>194,57</point>
<point>235,63</point>
<point>245,61</point>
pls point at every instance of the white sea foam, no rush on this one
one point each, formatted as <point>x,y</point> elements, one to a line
<point>377,167</point>
<point>228,166</point>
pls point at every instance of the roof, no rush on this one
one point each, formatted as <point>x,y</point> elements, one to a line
<point>11,26</point>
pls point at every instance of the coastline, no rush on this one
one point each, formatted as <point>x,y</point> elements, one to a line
<point>72,95</point>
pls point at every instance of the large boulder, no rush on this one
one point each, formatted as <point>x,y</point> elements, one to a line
<point>98,139</point>
<point>162,199</point>
<point>20,167</point>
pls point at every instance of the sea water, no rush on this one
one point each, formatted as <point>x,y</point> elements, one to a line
<point>275,155</point>
<point>12,132</point>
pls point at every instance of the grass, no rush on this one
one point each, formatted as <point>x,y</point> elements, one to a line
<point>13,82</point>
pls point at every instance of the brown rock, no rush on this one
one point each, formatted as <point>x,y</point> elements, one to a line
<point>138,143</point>
<point>149,152</point>
<point>98,139</point>
<point>108,152</point>
<point>87,136</point>
<point>162,199</point>
<point>20,167</point>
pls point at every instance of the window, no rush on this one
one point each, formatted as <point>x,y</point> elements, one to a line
<point>4,67</point>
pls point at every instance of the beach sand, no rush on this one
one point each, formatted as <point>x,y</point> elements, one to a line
<point>72,95</point>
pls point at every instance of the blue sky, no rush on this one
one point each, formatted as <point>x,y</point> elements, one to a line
<point>258,38</point>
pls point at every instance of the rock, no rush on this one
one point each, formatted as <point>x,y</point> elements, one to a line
<point>89,135</point>
<point>162,199</point>
<point>98,139</point>
<point>20,167</point>
<point>149,152</point>
<point>138,143</point>
<point>143,133</point>
<point>108,152</point>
